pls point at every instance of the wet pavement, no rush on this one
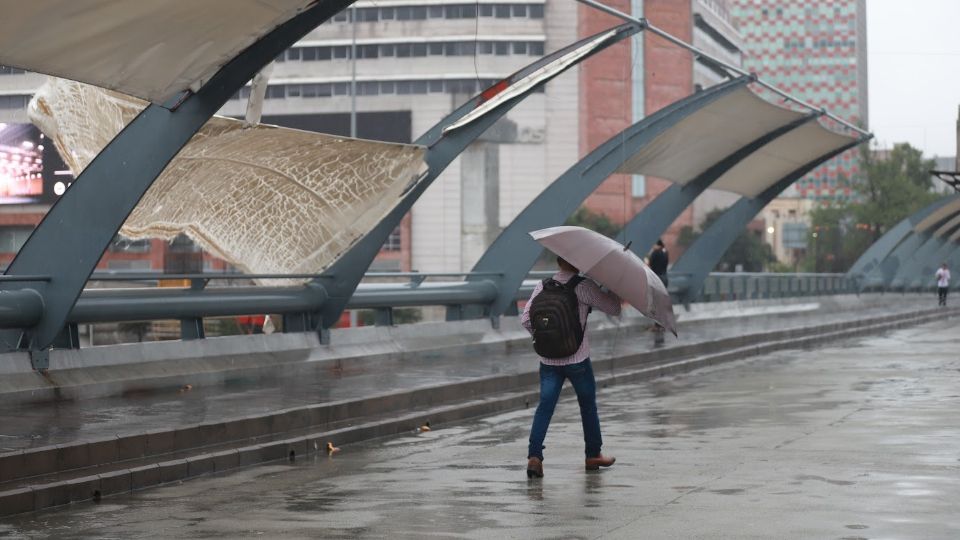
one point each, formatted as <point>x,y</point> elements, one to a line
<point>859,439</point>
<point>35,425</point>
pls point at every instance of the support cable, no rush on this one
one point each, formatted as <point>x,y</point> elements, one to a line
<point>680,43</point>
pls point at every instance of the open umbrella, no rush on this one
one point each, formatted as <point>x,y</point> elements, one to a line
<point>613,265</point>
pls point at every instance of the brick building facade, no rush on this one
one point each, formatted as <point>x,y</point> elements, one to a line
<point>817,51</point>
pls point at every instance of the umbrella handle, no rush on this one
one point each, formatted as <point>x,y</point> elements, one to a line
<point>626,247</point>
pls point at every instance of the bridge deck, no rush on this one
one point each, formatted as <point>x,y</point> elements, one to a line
<point>853,440</point>
<point>43,424</point>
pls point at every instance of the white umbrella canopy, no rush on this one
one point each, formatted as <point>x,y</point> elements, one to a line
<point>614,266</point>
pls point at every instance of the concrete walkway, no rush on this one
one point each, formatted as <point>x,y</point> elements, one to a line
<point>854,440</point>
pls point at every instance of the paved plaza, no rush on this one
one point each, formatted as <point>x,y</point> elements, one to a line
<point>854,440</point>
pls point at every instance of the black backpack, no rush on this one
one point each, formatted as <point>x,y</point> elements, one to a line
<point>555,318</point>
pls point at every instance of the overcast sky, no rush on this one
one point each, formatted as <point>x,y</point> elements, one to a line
<point>914,73</point>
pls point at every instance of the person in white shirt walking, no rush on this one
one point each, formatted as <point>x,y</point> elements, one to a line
<point>943,283</point>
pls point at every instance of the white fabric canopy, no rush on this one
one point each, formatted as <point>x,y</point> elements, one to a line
<point>779,158</point>
<point>267,199</point>
<point>711,134</point>
<point>151,49</point>
<point>706,137</point>
<point>937,216</point>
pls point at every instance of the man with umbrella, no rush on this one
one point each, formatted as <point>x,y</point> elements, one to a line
<point>556,315</point>
<point>584,294</point>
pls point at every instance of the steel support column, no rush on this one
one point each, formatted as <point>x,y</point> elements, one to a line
<point>653,220</point>
<point>689,272</point>
<point>72,237</point>
<point>342,278</point>
<point>878,264</point>
<point>513,252</point>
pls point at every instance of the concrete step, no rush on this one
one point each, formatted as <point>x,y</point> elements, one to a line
<point>44,477</point>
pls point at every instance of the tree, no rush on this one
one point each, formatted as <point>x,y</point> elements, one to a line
<point>748,250</point>
<point>588,219</point>
<point>892,187</point>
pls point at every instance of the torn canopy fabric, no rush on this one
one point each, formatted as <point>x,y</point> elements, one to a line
<point>149,49</point>
<point>718,130</point>
<point>264,198</point>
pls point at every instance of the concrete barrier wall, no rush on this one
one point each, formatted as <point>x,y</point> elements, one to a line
<point>114,369</point>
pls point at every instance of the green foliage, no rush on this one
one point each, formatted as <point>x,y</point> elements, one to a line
<point>892,189</point>
<point>368,317</point>
<point>588,219</point>
<point>748,250</point>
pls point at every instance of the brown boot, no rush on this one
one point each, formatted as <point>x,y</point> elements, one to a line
<point>534,468</point>
<point>594,463</point>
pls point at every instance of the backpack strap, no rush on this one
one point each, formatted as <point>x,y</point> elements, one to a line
<point>574,281</point>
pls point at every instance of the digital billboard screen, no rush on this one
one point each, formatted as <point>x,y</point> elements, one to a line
<point>31,171</point>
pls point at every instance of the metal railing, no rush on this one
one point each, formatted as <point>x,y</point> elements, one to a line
<point>381,292</point>
<point>756,285</point>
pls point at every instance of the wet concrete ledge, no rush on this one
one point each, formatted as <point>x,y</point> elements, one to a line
<point>115,370</point>
<point>440,404</point>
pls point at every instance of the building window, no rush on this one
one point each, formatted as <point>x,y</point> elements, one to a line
<point>393,241</point>
<point>123,245</point>
<point>4,70</point>
<point>638,186</point>
<point>14,102</point>
<point>183,244</point>
<point>13,238</point>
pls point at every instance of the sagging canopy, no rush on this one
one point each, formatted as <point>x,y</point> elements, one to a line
<point>708,136</point>
<point>151,49</point>
<point>266,199</point>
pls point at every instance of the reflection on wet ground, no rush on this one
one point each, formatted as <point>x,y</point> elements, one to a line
<point>791,445</point>
<point>55,423</point>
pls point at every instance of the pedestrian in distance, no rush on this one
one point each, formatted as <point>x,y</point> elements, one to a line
<point>556,316</point>
<point>943,283</point>
<point>658,260</point>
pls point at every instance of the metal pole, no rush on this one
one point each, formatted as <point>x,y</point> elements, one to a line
<point>353,72</point>
<point>677,41</point>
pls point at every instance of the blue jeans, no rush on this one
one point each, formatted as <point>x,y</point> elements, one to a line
<point>551,381</point>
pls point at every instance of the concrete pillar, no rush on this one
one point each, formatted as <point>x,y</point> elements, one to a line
<point>480,191</point>
<point>479,200</point>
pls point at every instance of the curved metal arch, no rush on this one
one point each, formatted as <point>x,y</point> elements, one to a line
<point>83,222</point>
<point>908,275</point>
<point>929,266</point>
<point>513,253</point>
<point>911,274</point>
<point>878,264</point>
<point>691,269</point>
<point>953,263</point>
<point>653,220</point>
<point>922,232</point>
<point>342,278</point>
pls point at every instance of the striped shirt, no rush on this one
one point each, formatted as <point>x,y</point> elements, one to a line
<point>589,295</point>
